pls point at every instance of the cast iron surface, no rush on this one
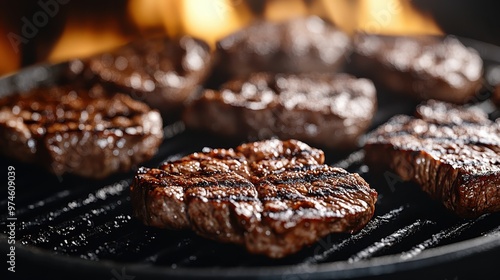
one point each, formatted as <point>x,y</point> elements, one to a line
<point>78,228</point>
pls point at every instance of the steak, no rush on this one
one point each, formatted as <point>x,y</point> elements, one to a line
<point>327,110</point>
<point>301,45</point>
<point>162,72</point>
<point>422,67</point>
<point>86,132</point>
<point>452,152</point>
<point>273,197</point>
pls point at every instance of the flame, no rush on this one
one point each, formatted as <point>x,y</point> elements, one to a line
<point>10,60</point>
<point>148,15</point>
<point>212,20</point>
<point>80,41</point>
<point>395,17</point>
<point>390,17</point>
<point>278,10</point>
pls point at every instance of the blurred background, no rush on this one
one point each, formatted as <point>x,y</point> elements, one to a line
<point>35,31</point>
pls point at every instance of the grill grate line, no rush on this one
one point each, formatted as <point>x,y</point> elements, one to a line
<point>390,240</point>
<point>440,237</point>
<point>99,196</point>
<point>375,224</point>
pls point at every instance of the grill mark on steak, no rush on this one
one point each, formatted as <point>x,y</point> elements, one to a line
<point>421,67</point>
<point>87,132</point>
<point>162,72</point>
<point>327,110</point>
<point>455,158</point>
<point>239,202</point>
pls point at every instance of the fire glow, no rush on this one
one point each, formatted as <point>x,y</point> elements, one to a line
<point>214,19</point>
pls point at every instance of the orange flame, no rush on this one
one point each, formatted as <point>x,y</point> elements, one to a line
<point>390,17</point>
<point>214,19</point>
<point>79,41</point>
<point>10,59</point>
<point>278,10</point>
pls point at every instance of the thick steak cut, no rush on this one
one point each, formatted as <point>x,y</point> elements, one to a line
<point>452,152</point>
<point>300,45</point>
<point>422,67</point>
<point>87,132</point>
<point>326,110</point>
<point>274,197</point>
<point>162,72</point>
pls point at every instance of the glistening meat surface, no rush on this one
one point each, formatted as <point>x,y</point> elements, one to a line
<point>274,197</point>
<point>452,152</point>
<point>87,132</point>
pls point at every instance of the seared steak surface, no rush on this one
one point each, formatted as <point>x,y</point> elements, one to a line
<point>326,110</point>
<point>87,132</point>
<point>423,67</point>
<point>452,152</point>
<point>162,72</point>
<point>274,197</point>
<point>300,45</point>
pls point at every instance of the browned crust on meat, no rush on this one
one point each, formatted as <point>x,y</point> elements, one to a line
<point>274,197</point>
<point>162,72</point>
<point>458,165</point>
<point>327,110</point>
<point>87,132</point>
<point>422,67</point>
<point>300,45</point>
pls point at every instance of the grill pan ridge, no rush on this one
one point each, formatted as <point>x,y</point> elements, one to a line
<point>84,228</point>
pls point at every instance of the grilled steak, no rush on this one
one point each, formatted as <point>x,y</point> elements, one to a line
<point>299,45</point>
<point>274,197</point>
<point>452,152</point>
<point>424,67</point>
<point>326,110</point>
<point>84,132</point>
<point>161,72</point>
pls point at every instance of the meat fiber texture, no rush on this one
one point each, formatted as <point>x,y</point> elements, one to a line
<point>273,197</point>
<point>326,110</point>
<point>452,152</point>
<point>162,72</point>
<point>299,45</point>
<point>419,67</point>
<point>87,132</point>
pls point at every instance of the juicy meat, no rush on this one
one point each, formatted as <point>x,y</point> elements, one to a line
<point>300,45</point>
<point>455,158</point>
<point>274,197</point>
<point>84,132</point>
<point>423,67</point>
<point>443,113</point>
<point>327,110</point>
<point>162,72</point>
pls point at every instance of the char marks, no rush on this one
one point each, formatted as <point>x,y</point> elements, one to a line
<point>452,152</point>
<point>274,197</point>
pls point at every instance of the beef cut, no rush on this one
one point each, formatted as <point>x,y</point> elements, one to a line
<point>273,197</point>
<point>162,72</point>
<point>300,45</point>
<point>327,110</point>
<point>422,67</point>
<point>452,152</point>
<point>87,132</point>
